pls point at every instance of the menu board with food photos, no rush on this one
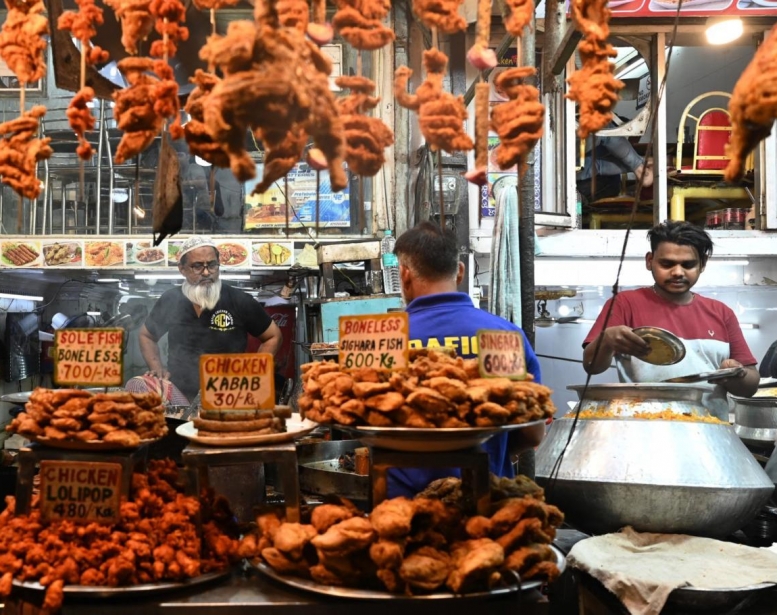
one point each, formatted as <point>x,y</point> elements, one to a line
<point>139,253</point>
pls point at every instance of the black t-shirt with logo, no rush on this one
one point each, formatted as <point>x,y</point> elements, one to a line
<point>223,329</point>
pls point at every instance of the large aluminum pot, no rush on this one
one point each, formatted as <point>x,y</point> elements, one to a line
<point>755,421</point>
<point>655,475</point>
<point>626,399</point>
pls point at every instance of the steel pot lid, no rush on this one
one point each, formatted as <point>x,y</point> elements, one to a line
<point>665,347</point>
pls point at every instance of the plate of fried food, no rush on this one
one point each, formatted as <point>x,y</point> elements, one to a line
<point>62,253</point>
<point>271,254</point>
<point>76,419</point>
<point>150,256</point>
<point>232,254</point>
<point>246,427</point>
<point>104,253</point>
<point>420,548</point>
<point>21,254</point>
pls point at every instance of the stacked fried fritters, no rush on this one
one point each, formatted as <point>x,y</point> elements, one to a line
<point>415,546</point>
<point>155,540</point>
<point>124,419</point>
<point>436,390</point>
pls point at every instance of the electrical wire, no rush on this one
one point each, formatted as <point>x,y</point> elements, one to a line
<point>40,308</point>
<point>616,286</point>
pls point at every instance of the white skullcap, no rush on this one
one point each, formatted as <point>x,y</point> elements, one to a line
<point>197,241</point>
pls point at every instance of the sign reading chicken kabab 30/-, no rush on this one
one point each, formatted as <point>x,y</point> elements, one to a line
<point>374,341</point>
<point>237,381</point>
<point>82,491</point>
<point>501,354</point>
<point>89,357</point>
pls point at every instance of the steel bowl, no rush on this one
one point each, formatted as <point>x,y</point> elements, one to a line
<point>654,475</point>
<point>755,421</point>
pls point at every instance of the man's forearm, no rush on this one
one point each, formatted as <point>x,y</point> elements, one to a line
<point>150,351</point>
<point>270,345</point>
<point>596,361</point>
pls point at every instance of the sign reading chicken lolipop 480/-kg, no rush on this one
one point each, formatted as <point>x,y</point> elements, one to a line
<point>81,491</point>
<point>89,357</point>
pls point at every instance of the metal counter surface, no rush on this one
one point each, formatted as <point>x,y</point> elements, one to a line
<point>247,589</point>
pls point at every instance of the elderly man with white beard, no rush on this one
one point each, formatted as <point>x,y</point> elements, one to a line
<point>202,317</point>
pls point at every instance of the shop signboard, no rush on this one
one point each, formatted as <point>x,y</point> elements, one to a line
<point>692,8</point>
<point>237,381</point>
<point>88,357</point>
<point>80,491</point>
<point>501,354</point>
<point>374,341</point>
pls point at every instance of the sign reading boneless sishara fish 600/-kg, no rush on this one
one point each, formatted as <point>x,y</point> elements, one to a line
<point>501,354</point>
<point>89,357</point>
<point>81,491</point>
<point>374,341</point>
<point>237,381</point>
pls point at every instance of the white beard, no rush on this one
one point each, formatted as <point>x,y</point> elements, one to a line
<point>204,295</point>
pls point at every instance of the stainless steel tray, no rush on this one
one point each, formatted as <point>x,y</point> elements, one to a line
<point>430,440</point>
<point>23,397</point>
<point>718,374</point>
<point>370,594</point>
<point>89,591</point>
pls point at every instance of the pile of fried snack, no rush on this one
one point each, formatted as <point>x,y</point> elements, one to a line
<point>417,546</point>
<point>121,418</point>
<point>436,390</point>
<point>241,423</point>
<point>156,539</point>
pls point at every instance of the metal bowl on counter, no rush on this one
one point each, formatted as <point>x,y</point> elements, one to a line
<point>755,421</point>
<point>321,473</point>
<point>655,475</point>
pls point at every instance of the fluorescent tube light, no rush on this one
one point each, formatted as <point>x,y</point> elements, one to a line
<point>235,276</point>
<point>749,325</point>
<point>24,297</point>
<point>108,280</point>
<point>158,276</point>
<point>94,314</point>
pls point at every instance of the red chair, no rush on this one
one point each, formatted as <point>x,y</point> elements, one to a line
<point>703,177</point>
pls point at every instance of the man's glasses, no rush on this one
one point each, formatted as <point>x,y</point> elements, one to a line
<point>198,268</point>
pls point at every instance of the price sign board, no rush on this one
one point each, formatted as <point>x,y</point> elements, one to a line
<point>501,354</point>
<point>89,357</point>
<point>80,491</point>
<point>237,381</point>
<point>378,341</point>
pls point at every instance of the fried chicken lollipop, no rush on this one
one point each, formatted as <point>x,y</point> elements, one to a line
<point>753,106</point>
<point>365,137</point>
<point>136,19</point>
<point>319,30</point>
<point>81,120</point>
<point>440,14</point>
<point>440,114</point>
<point>22,45</point>
<point>21,150</point>
<point>207,5</point>
<point>360,22</point>
<point>521,13</point>
<point>200,142</point>
<point>519,121</point>
<point>594,87</point>
<point>169,14</point>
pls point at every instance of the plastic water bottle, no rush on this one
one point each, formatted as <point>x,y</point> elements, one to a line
<point>390,264</point>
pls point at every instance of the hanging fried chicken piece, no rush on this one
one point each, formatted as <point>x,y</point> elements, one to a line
<point>200,142</point>
<point>169,14</point>
<point>275,84</point>
<point>594,87</point>
<point>365,137</point>
<point>81,120</point>
<point>82,24</point>
<point>293,14</point>
<point>206,5</point>
<point>480,55</point>
<point>21,150</point>
<point>440,14</point>
<point>319,31</point>
<point>479,175</point>
<point>441,115</point>
<point>282,155</point>
<point>142,107</point>
<point>137,22</point>
<point>521,12</point>
<point>22,45</point>
<point>360,22</point>
<point>753,106</point>
<point>519,121</point>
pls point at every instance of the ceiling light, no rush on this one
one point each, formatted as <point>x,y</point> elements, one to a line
<point>107,280</point>
<point>23,297</point>
<point>235,276</point>
<point>722,30</point>
<point>158,276</point>
<point>94,314</point>
<point>139,212</point>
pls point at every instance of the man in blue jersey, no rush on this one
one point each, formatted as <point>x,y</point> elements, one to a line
<point>439,315</point>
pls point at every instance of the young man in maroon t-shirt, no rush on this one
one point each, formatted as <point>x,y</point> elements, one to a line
<point>708,328</point>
